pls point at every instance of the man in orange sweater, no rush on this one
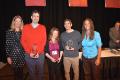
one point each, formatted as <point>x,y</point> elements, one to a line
<point>33,40</point>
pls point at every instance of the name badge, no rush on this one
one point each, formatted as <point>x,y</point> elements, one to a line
<point>54,52</point>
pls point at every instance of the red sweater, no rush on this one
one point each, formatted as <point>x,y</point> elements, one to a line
<point>31,36</point>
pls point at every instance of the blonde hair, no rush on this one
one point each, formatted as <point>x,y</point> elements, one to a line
<point>13,22</point>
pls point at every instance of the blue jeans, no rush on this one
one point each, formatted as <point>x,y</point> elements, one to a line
<point>35,67</point>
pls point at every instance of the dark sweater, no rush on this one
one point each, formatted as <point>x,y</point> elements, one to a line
<point>74,38</point>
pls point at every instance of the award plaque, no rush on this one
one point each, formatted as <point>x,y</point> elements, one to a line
<point>34,49</point>
<point>69,43</point>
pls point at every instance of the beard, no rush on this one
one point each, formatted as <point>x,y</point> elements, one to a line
<point>35,21</point>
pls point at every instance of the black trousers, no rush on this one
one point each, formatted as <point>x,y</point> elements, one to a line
<point>18,73</point>
<point>54,70</point>
<point>91,71</point>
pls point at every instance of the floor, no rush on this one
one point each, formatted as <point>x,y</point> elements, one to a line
<point>6,72</point>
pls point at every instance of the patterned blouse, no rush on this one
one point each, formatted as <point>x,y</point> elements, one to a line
<point>14,49</point>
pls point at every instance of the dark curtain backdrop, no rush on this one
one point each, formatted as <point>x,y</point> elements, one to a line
<point>54,14</point>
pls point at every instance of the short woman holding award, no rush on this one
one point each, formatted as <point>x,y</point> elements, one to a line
<point>53,52</point>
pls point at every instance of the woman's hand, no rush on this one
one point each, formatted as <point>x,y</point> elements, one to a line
<point>9,60</point>
<point>97,62</point>
<point>53,60</point>
<point>59,59</point>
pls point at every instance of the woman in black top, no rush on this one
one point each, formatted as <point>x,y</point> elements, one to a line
<point>14,50</point>
<point>53,52</point>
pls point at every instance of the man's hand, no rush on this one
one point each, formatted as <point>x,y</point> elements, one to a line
<point>32,55</point>
<point>68,48</point>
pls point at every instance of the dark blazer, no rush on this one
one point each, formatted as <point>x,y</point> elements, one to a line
<point>114,35</point>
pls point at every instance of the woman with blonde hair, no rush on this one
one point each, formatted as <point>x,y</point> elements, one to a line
<point>14,50</point>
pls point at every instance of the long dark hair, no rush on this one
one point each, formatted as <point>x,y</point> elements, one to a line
<point>91,28</point>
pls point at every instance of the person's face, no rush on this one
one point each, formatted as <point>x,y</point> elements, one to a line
<point>55,34</point>
<point>35,17</point>
<point>117,25</point>
<point>87,25</point>
<point>67,25</point>
<point>17,23</point>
